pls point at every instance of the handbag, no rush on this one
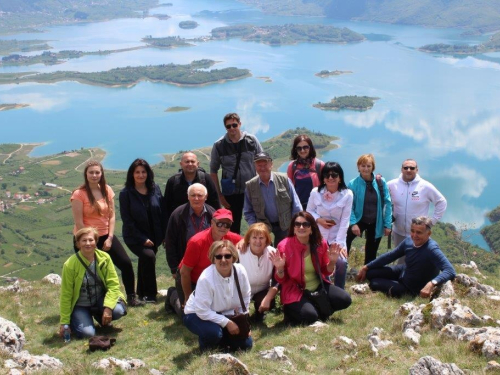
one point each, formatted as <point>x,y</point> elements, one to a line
<point>240,319</point>
<point>228,185</point>
<point>101,343</point>
<point>319,298</point>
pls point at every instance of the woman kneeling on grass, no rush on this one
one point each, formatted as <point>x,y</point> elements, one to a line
<point>90,287</point>
<point>216,297</point>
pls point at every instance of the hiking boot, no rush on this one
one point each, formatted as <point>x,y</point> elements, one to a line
<point>169,309</point>
<point>132,301</point>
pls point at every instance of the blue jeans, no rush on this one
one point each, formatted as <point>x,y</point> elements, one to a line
<point>213,336</point>
<point>82,323</point>
<point>340,272</point>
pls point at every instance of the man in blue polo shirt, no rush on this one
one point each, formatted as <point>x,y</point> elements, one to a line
<point>426,266</point>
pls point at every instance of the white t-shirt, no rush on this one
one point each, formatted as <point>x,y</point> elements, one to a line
<point>259,269</point>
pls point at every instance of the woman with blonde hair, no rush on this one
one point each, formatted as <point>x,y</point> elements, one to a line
<point>254,256</point>
<point>371,208</point>
<point>92,205</point>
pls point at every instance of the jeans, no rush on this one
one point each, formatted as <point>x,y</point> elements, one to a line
<point>82,323</point>
<point>213,336</point>
<point>340,272</point>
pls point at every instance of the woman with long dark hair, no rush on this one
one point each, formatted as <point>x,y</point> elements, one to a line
<point>330,204</point>
<point>303,264</point>
<point>304,170</point>
<point>93,206</point>
<point>143,224</point>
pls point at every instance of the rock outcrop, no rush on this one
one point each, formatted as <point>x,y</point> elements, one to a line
<point>52,278</point>
<point>12,338</point>
<point>431,366</point>
<point>124,364</point>
<point>235,365</point>
<point>485,339</point>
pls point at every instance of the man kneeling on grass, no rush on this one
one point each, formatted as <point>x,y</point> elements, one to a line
<point>426,266</point>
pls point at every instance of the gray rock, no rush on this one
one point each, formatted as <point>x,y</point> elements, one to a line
<point>30,363</point>
<point>405,309</point>
<point>52,278</point>
<point>344,343</point>
<point>376,341</point>
<point>492,366</point>
<point>124,364</point>
<point>449,310</point>
<point>154,371</point>
<point>276,354</point>
<point>360,289</point>
<point>475,292</point>
<point>446,290</point>
<point>466,280</point>
<point>430,366</point>
<point>234,363</point>
<point>411,335</point>
<point>484,339</point>
<point>15,288</point>
<point>12,338</point>
<point>310,348</point>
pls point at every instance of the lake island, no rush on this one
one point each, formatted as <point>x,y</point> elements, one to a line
<point>353,102</point>
<point>328,73</point>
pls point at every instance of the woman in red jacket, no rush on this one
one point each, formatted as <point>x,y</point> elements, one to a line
<point>302,258</point>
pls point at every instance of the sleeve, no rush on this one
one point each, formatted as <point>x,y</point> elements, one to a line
<point>440,203</point>
<point>323,256</point>
<point>311,204</point>
<point>296,206</point>
<point>344,219</point>
<point>447,270</point>
<point>67,287</point>
<point>248,211</point>
<point>129,228</point>
<point>172,244</point>
<point>213,196</point>
<point>214,159</point>
<point>77,195</point>
<point>387,206</point>
<point>205,293</point>
<point>112,285</point>
<point>110,193</point>
<point>352,218</point>
<point>258,146</point>
<point>167,198</point>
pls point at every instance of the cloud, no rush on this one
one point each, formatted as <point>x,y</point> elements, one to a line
<point>366,119</point>
<point>37,102</point>
<point>251,120</point>
<point>470,62</point>
<point>471,183</point>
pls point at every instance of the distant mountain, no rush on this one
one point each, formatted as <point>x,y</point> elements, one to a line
<point>482,15</point>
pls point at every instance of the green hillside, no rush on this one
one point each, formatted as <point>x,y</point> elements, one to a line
<point>491,233</point>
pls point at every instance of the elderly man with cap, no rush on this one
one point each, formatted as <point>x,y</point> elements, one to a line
<point>196,259</point>
<point>270,198</point>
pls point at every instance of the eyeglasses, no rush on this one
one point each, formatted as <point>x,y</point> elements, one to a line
<point>220,224</point>
<point>234,125</point>
<point>331,175</point>
<point>409,168</point>
<point>225,256</point>
<point>300,148</point>
<point>304,224</point>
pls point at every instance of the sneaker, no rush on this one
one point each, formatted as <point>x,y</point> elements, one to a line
<point>132,301</point>
<point>149,300</point>
<point>169,309</point>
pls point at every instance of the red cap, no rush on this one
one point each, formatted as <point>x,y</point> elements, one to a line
<point>223,213</point>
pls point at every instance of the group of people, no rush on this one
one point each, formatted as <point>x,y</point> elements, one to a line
<point>312,212</point>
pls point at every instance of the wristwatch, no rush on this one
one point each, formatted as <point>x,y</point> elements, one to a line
<point>434,282</point>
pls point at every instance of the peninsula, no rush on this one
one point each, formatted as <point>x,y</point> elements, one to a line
<point>328,73</point>
<point>353,102</point>
<point>288,34</point>
<point>493,45</point>
<point>14,45</point>
<point>8,107</point>
<point>182,75</point>
<point>167,42</point>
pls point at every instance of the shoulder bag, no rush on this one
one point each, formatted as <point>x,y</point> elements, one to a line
<point>241,319</point>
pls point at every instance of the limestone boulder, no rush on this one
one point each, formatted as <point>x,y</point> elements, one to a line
<point>344,343</point>
<point>123,364</point>
<point>431,366</point>
<point>485,340</point>
<point>31,363</point>
<point>360,289</point>
<point>450,310</point>
<point>235,365</point>
<point>12,338</point>
<point>276,354</point>
<point>52,278</point>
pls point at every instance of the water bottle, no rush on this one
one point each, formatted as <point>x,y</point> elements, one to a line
<point>67,333</point>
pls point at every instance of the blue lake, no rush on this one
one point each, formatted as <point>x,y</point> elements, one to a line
<point>441,111</point>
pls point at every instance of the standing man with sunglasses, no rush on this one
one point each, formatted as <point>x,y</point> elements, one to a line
<point>411,197</point>
<point>234,152</point>
<point>196,259</point>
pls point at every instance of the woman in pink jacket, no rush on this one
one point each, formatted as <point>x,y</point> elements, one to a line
<point>303,265</point>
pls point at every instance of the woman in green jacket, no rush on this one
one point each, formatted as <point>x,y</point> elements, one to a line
<point>90,288</point>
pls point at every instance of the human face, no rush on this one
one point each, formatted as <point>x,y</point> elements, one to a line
<point>189,163</point>
<point>332,181</point>
<point>303,149</point>
<point>223,265</point>
<point>94,174</point>
<point>233,132</point>
<point>257,243</point>
<point>219,232</point>
<point>420,234</point>
<point>407,172</point>
<point>86,244</point>
<point>197,198</point>
<point>302,232</point>
<point>140,175</point>
<point>366,169</point>
<point>263,168</point>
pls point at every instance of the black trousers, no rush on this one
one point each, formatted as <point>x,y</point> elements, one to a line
<point>236,201</point>
<point>120,259</point>
<point>386,280</point>
<point>146,270</point>
<point>257,301</point>
<point>304,312</point>
<point>371,244</point>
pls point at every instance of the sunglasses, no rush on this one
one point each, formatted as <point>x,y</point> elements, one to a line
<point>304,224</point>
<point>300,148</point>
<point>220,224</point>
<point>225,256</point>
<point>409,168</point>
<point>331,175</point>
<point>234,125</point>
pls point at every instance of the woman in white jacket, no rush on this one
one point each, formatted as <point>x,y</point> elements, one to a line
<point>330,204</point>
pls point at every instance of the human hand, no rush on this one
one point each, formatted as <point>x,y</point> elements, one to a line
<point>107,244</point>
<point>232,328</point>
<point>224,202</point>
<point>355,230</point>
<point>361,276</point>
<point>61,330</point>
<point>334,251</point>
<point>278,260</point>
<point>265,305</point>
<point>107,316</point>
<point>240,248</point>
<point>427,290</point>
<point>327,224</point>
<point>149,243</point>
<point>387,231</point>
